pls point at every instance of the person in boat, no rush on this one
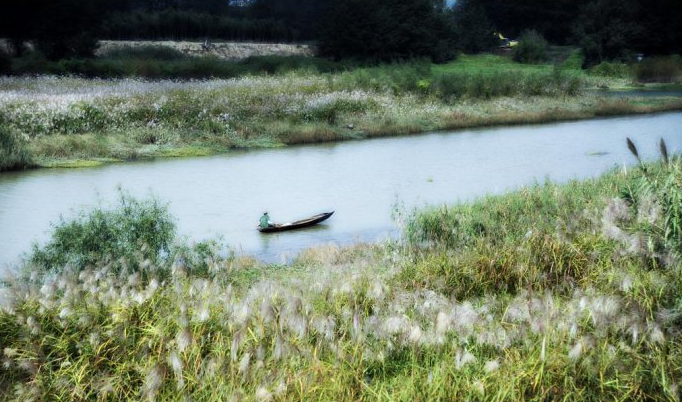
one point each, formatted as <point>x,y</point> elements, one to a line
<point>265,221</point>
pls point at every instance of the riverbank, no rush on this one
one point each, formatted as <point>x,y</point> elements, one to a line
<point>72,122</point>
<point>567,292</point>
<point>93,149</point>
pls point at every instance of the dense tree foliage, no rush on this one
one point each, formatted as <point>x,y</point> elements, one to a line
<point>58,28</point>
<point>368,30</point>
<point>301,17</point>
<point>473,30</point>
<point>553,19</point>
<point>180,24</point>
<point>385,30</point>
<point>606,29</point>
<point>532,48</point>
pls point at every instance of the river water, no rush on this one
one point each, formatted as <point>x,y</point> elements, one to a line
<point>363,181</point>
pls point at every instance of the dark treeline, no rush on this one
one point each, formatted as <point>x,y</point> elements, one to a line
<point>181,24</point>
<point>385,30</point>
<point>376,30</point>
<point>605,29</point>
<point>257,20</point>
<point>67,28</point>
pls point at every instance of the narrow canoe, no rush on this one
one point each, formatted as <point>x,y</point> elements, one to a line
<point>280,227</point>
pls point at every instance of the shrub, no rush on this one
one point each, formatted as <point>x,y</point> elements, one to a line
<point>660,69</point>
<point>136,226</point>
<point>31,63</point>
<point>5,63</point>
<point>532,48</point>
<point>13,153</point>
<point>611,69</point>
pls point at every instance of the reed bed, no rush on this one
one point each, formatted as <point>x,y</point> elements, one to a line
<point>67,118</point>
<point>550,293</point>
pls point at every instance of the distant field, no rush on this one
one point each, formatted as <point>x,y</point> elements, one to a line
<point>222,50</point>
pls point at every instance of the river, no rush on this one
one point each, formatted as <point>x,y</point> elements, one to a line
<point>363,181</point>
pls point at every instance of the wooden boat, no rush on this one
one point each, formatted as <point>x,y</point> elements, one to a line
<point>280,227</point>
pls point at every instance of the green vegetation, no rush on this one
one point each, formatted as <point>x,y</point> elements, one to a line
<point>538,238</point>
<point>194,24</point>
<point>660,69</point>
<point>70,121</point>
<point>400,30</point>
<point>5,63</point>
<point>159,62</point>
<point>135,230</point>
<point>612,69</point>
<point>386,30</point>
<point>532,48</point>
<point>563,292</point>
<point>13,152</point>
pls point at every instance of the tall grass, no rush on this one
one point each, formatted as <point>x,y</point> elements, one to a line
<point>14,154</point>
<point>449,86</point>
<point>660,69</point>
<point>658,191</point>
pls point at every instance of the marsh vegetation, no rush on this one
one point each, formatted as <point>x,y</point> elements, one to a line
<point>565,292</point>
<point>62,120</point>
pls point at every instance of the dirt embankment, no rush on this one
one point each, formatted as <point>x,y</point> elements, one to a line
<point>223,50</point>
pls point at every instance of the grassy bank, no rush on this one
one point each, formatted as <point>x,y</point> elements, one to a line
<point>75,122</point>
<point>555,292</point>
<point>157,62</point>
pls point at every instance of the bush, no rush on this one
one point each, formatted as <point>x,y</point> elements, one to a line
<point>13,154</point>
<point>612,69</point>
<point>659,69</point>
<point>31,63</point>
<point>5,63</point>
<point>532,48</point>
<point>136,226</point>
